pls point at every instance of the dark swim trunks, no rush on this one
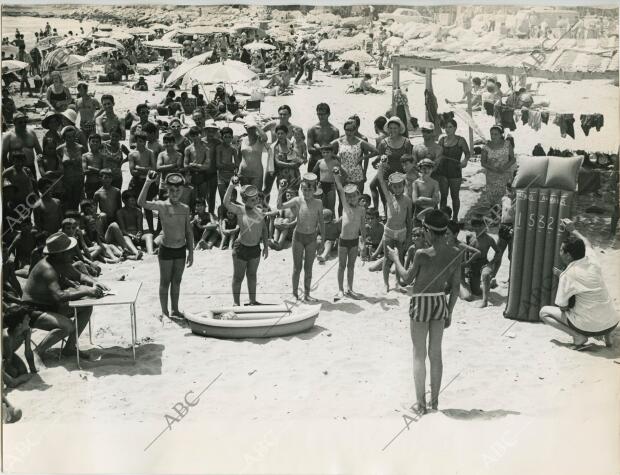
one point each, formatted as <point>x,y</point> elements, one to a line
<point>591,334</point>
<point>348,243</point>
<point>172,253</point>
<point>37,309</point>
<point>245,253</point>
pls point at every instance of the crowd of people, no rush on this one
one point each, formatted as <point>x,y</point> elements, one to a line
<point>67,210</point>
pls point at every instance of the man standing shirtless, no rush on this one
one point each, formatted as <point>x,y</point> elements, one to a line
<point>21,140</point>
<point>323,133</point>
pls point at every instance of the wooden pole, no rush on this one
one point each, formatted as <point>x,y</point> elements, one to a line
<point>395,82</point>
<point>471,131</point>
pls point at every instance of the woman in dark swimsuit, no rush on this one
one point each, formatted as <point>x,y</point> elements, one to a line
<point>454,158</point>
<point>58,96</point>
<point>394,146</point>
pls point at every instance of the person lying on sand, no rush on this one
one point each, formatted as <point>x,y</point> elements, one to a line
<point>593,313</point>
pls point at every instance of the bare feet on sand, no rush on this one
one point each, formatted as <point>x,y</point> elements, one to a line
<point>339,296</point>
<point>481,304</point>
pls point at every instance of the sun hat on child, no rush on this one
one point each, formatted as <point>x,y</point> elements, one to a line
<point>395,178</point>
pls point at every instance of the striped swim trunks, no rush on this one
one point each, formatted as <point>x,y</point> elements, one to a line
<point>427,307</point>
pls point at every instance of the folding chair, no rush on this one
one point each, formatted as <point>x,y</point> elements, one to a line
<point>252,105</point>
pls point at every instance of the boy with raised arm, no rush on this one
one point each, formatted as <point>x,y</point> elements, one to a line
<point>397,229</point>
<point>309,212</point>
<point>253,229</point>
<point>177,239</point>
<point>353,225</point>
<point>433,268</point>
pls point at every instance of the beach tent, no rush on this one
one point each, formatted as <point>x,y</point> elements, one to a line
<point>356,55</point>
<point>66,63</point>
<point>257,46</point>
<point>111,42</point>
<point>121,35</point>
<point>12,65</point>
<point>100,51</point>
<point>10,49</point>
<point>182,69</point>
<point>228,71</point>
<point>48,42</point>
<point>70,41</point>
<point>159,44</point>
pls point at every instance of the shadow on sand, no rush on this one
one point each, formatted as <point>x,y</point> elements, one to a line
<point>471,414</point>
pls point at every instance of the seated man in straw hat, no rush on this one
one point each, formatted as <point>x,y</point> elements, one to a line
<point>53,282</point>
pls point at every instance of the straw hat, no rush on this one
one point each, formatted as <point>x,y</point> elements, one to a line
<point>350,189</point>
<point>309,177</point>
<point>175,179</point>
<point>395,120</point>
<point>395,178</point>
<point>67,128</point>
<point>59,242</point>
<point>426,162</point>
<point>210,124</point>
<point>249,191</point>
<point>70,116</point>
<point>49,116</point>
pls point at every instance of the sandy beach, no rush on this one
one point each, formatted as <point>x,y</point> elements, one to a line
<point>515,399</point>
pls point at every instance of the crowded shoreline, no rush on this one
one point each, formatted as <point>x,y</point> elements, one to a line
<point>181,127</point>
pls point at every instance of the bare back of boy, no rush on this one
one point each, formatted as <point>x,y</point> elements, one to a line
<point>48,215</point>
<point>433,268</point>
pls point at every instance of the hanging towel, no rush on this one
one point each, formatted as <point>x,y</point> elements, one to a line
<point>544,116</point>
<point>525,115</point>
<point>566,123</point>
<point>534,120</point>
<point>589,121</point>
<point>505,116</point>
<point>431,106</point>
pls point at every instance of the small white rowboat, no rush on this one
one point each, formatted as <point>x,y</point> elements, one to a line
<point>263,321</point>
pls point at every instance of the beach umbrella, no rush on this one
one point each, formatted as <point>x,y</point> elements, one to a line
<point>10,49</point>
<point>334,45</point>
<point>226,71</point>
<point>47,42</point>
<point>360,38</point>
<point>353,21</point>
<point>100,51</point>
<point>185,67</point>
<point>69,41</point>
<point>356,55</point>
<point>246,27</point>
<point>159,44</point>
<point>160,26</point>
<point>101,34</point>
<point>257,45</point>
<point>12,65</point>
<point>61,58</point>
<point>121,35</point>
<point>393,42</point>
<point>110,42</point>
<point>138,30</point>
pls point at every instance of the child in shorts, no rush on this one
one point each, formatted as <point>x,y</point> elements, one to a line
<point>177,239</point>
<point>425,190</point>
<point>205,226</point>
<point>229,228</point>
<point>285,221</point>
<point>397,230</point>
<point>480,269</point>
<point>353,225</point>
<point>309,216</point>
<point>252,230</point>
<point>329,239</point>
<point>374,233</point>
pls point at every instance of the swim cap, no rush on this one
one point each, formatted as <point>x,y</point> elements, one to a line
<point>249,191</point>
<point>175,179</point>
<point>395,178</point>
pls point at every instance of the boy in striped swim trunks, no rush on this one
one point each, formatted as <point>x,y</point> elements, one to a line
<point>432,269</point>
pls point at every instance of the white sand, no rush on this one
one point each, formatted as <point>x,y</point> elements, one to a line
<point>329,400</point>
